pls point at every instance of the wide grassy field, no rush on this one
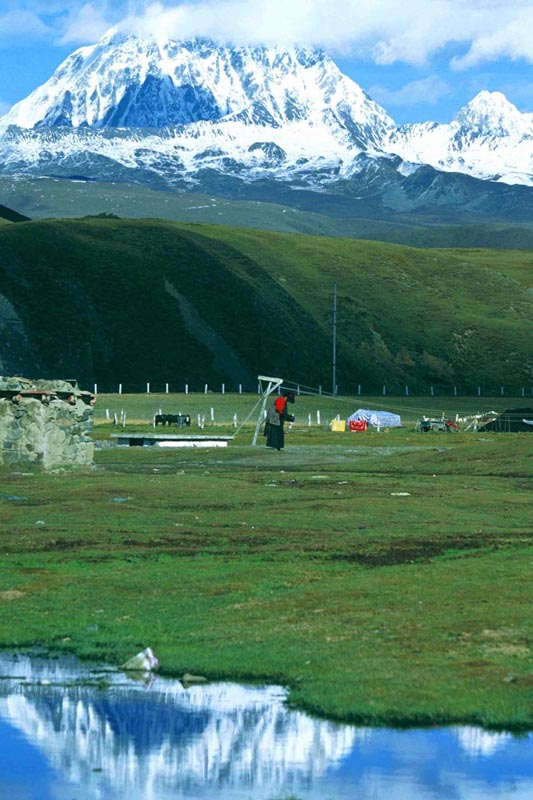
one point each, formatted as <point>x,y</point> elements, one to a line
<point>139,409</point>
<point>385,578</point>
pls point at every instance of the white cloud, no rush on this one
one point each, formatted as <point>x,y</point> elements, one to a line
<point>383,28</point>
<point>388,31</point>
<point>22,24</point>
<point>427,91</point>
<point>512,39</point>
<point>83,25</point>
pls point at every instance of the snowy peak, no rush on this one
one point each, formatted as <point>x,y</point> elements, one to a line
<point>172,110</point>
<point>489,139</point>
<point>491,114</point>
<point>127,81</point>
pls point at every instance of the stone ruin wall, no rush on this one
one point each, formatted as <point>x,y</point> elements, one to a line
<point>45,424</point>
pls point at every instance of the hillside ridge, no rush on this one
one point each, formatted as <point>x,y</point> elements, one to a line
<point>406,316</point>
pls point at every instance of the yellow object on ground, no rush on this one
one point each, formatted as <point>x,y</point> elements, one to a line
<point>338,425</point>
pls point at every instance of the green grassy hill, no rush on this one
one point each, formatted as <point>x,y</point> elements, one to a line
<point>8,215</point>
<point>43,198</point>
<point>131,301</point>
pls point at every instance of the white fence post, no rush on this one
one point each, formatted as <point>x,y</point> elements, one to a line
<point>212,414</point>
<point>223,388</point>
<point>206,388</point>
<point>120,388</point>
<point>96,388</point>
<point>318,417</point>
<point>186,388</point>
<point>147,388</point>
<point>166,388</point>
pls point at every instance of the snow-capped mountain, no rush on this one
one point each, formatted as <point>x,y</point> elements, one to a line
<point>125,81</point>
<point>489,139</point>
<point>169,741</point>
<point>194,113</point>
<point>197,102</point>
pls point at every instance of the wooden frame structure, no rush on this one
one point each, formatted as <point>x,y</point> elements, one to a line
<point>271,385</point>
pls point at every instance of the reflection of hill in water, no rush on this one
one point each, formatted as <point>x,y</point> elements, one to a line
<point>194,739</point>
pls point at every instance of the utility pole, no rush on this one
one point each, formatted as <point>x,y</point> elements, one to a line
<point>334,390</point>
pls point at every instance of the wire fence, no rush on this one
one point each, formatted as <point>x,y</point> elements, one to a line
<point>357,390</point>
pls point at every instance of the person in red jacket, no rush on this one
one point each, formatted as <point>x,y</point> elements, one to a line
<point>276,416</point>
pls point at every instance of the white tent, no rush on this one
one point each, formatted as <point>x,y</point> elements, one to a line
<point>378,419</point>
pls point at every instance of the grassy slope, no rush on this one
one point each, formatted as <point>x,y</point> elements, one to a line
<point>303,567</point>
<point>8,215</point>
<point>416,301</point>
<point>406,316</point>
<point>516,264</point>
<point>48,197</point>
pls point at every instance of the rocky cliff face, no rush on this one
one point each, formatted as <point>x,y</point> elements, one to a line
<point>44,424</point>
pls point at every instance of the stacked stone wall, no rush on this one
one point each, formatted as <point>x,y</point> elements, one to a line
<point>45,424</point>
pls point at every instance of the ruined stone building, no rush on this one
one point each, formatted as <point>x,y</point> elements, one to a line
<point>45,423</point>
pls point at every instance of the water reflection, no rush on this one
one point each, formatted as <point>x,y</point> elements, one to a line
<point>82,739</point>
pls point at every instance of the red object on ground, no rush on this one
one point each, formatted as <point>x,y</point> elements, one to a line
<point>358,425</point>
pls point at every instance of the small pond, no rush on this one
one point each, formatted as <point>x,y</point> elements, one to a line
<point>72,732</point>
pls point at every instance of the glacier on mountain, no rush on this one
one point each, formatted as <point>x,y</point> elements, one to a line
<point>147,109</point>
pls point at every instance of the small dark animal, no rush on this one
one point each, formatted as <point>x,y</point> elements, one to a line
<point>181,420</point>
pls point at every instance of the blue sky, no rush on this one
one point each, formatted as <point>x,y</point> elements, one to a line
<point>421,59</point>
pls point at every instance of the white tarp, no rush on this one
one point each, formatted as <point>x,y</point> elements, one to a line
<point>378,419</point>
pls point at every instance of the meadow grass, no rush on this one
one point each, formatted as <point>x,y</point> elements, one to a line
<point>140,408</point>
<point>384,578</point>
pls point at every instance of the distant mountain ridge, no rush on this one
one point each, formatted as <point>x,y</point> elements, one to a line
<point>199,115</point>
<point>488,139</point>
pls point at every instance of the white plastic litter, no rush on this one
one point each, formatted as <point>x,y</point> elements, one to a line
<point>145,661</point>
